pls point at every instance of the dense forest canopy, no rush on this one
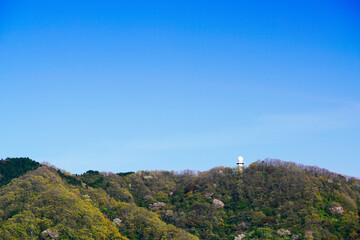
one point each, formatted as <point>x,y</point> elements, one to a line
<point>14,167</point>
<point>271,199</point>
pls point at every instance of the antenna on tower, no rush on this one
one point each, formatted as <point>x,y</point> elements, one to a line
<point>240,163</point>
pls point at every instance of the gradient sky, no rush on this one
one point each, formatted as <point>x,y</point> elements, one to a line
<point>171,85</point>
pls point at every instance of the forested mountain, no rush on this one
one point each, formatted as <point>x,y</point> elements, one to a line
<point>271,199</point>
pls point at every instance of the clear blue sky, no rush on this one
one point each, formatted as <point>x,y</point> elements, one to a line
<point>130,85</point>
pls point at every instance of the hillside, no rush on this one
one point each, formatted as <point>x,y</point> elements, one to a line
<point>270,200</point>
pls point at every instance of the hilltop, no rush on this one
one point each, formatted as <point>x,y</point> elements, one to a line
<point>271,199</point>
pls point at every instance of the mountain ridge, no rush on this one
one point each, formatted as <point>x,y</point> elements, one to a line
<point>271,199</point>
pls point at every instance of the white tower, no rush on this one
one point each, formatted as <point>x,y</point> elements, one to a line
<point>240,163</point>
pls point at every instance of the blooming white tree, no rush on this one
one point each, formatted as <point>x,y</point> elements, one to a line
<point>295,237</point>
<point>283,232</point>
<point>218,204</point>
<point>117,221</point>
<point>208,195</point>
<point>169,213</point>
<point>240,236</point>
<point>54,234</point>
<point>157,205</point>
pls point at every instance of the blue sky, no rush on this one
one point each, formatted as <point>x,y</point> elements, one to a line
<point>180,84</point>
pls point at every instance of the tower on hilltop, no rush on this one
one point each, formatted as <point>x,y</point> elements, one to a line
<point>240,164</point>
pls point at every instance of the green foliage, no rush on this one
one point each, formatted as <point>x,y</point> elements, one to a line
<point>40,200</point>
<point>123,174</point>
<point>92,178</point>
<point>11,168</point>
<point>69,178</point>
<point>139,223</point>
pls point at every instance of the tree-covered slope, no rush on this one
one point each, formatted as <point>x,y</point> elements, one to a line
<point>270,200</point>
<point>132,221</point>
<point>50,204</point>
<point>39,205</point>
